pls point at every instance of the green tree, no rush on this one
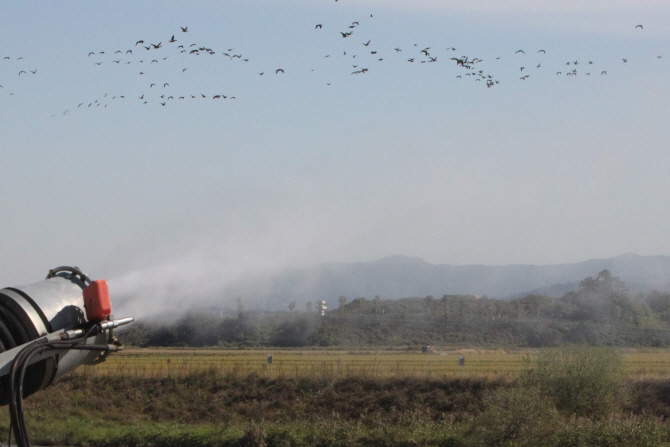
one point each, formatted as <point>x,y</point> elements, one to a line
<point>342,300</point>
<point>378,301</point>
<point>445,304</point>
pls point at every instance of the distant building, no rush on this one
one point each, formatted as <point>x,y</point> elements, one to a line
<point>323,307</point>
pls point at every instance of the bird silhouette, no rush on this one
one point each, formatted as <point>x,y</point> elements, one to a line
<point>319,26</point>
<point>640,26</point>
<point>184,29</point>
<point>278,70</point>
<point>173,39</point>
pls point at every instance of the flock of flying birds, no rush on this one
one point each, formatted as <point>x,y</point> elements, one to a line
<point>146,58</point>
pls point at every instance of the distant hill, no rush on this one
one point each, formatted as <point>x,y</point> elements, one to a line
<point>402,276</point>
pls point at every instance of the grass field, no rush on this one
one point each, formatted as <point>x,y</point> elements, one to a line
<point>203,398</point>
<point>329,364</point>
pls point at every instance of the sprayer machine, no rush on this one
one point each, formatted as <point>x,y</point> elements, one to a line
<point>48,329</point>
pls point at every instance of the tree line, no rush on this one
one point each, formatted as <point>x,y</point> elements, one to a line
<point>600,312</point>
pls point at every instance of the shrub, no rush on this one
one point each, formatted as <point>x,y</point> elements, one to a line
<point>587,382</point>
<point>514,417</point>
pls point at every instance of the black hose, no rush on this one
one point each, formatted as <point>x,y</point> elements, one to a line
<point>13,322</point>
<point>17,375</point>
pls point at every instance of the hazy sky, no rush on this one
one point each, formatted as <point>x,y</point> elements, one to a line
<point>317,164</point>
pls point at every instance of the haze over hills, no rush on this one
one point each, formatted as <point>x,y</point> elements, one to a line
<point>401,276</point>
<point>392,277</point>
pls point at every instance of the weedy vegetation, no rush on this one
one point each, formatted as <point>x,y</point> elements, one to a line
<point>573,396</point>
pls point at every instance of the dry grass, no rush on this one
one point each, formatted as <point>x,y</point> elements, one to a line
<point>157,363</point>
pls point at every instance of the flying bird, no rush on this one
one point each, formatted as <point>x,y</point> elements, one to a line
<point>639,26</point>
<point>520,51</point>
<point>184,29</point>
<point>278,70</point>
<point>173,39</point>
<point>139,42</point>
<point>368,42</point>
<point>319,26</point>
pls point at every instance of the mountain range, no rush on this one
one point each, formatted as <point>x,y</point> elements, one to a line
<point>402,276</point>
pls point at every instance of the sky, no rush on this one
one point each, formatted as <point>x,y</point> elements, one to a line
<point>317,164</point>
